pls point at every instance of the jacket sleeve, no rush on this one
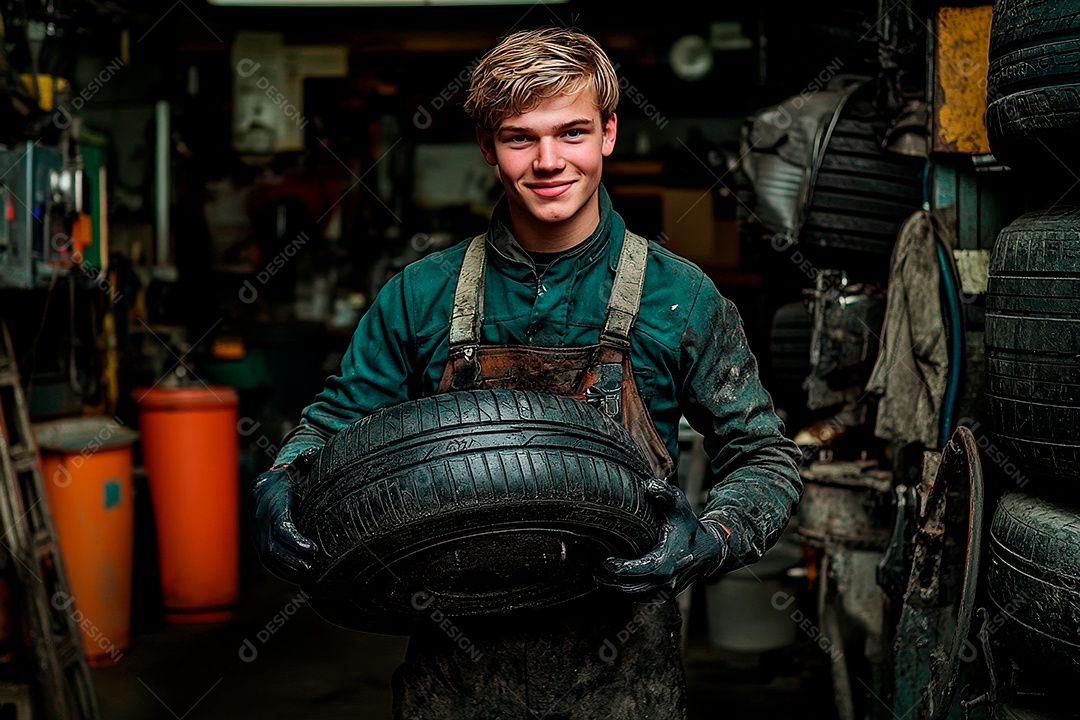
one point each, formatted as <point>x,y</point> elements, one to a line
<point>759,484</point>
<point>373,374</point>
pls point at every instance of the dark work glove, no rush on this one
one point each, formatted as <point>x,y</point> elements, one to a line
<point>688,549</point>
<point>282,548</point>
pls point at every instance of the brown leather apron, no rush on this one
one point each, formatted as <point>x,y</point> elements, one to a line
<point>600,374</point>
<point>608,657</point>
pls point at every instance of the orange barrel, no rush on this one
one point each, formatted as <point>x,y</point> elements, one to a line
<point>191,455</point>
<point>87,474</point>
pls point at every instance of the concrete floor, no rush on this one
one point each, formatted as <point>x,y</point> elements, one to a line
<point>308,668</point>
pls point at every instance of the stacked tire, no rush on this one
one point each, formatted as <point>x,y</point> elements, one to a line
<point>862,193</point>
<point>1034,582</point>
<point>789,344</point>
<point>1033,397</point>
<point>1033,344</point>
<point>823,180</point>
<point>1033,87</point>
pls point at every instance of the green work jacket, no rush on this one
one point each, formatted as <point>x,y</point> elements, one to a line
<point>689,354</point>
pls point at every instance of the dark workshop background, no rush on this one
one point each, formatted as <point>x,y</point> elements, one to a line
<point>206,197</point>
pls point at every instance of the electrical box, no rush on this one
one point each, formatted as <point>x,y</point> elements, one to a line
<point>28,179</point>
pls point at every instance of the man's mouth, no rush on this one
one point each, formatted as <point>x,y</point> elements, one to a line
<point>552,189</point>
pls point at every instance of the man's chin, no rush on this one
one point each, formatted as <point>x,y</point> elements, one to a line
<point>552,212</point>
<point>557,211</point>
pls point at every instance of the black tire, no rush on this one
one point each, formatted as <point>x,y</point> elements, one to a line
<point>862,194</point>
<point>1034,583</point>
<point>1012,712</point>
<point>1032,342</point>
<point>477,502</point>
<point>1033,82</point>
<point>790,351</point>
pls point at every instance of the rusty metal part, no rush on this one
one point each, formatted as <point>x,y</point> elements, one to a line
<point>851,607</point>
<point>847,321</point>
<point>846,510</point>
<point>846,503</point>
<point>895,566</point>
<point>961,48</point>
<point>935,623</point>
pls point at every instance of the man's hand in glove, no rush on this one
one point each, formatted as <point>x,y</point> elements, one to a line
<point>282,548</point>
<point>688,549</point>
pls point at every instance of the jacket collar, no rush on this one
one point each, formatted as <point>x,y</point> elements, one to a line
<point>501,239</point>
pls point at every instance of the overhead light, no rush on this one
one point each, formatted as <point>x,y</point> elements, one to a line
<point>372,3</point>
<point>691,57</point>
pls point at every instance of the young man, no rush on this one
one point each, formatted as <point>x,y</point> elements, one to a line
<point>561,276</point>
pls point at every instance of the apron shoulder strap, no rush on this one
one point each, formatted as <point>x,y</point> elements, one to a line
<point>468,313</point>
<point>622,308</point>
<point>625,298</point>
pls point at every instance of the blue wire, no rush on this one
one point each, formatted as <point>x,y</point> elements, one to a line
<point>926,187</point>
<point>955,349</point>
<point>952,388</point>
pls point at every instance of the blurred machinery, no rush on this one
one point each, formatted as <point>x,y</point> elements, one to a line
<point>46,227</point>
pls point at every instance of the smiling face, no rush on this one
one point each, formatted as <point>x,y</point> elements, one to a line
<point>550,160</point>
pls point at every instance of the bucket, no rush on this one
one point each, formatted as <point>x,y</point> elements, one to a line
<point>87,477</point>
<point>748,609</point>
<point>191,456</point>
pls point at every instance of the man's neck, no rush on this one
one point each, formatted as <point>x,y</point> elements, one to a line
<point>539,236</point>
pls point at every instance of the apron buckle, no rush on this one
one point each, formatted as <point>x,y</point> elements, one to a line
<point>605,394</point>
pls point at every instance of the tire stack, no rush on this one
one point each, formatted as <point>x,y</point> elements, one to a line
<point>1033,85</point>
<point>829,197</point>
<point>842,206</point>
<point>862,194</point>
<point>1033,345</point>
<point>789,344</point>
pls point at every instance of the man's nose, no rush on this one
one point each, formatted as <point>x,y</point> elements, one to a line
<point>548,158</point>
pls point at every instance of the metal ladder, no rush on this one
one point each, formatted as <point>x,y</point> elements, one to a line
<point>60,672</point>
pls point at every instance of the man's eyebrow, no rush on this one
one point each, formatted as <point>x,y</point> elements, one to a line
<point>565,126</point>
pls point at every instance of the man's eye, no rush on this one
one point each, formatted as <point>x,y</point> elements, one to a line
<point>519,139</point>
<point>574,133</point>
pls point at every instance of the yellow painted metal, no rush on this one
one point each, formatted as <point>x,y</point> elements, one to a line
<point>45,89</point>
<point>961,46</point>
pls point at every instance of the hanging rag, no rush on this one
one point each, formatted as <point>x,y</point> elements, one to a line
<point>912,366</point>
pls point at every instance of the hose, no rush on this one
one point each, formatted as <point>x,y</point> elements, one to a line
<point>955,330</point>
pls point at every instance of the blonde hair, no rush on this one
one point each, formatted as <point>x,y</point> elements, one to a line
<point>529,66</point>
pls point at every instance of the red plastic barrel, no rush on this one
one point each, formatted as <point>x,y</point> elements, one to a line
<point>191,456</point>
<point>87,473</point>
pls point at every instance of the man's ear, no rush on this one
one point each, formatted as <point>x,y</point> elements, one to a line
<point>609,134</point>
<point>487,145</point>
